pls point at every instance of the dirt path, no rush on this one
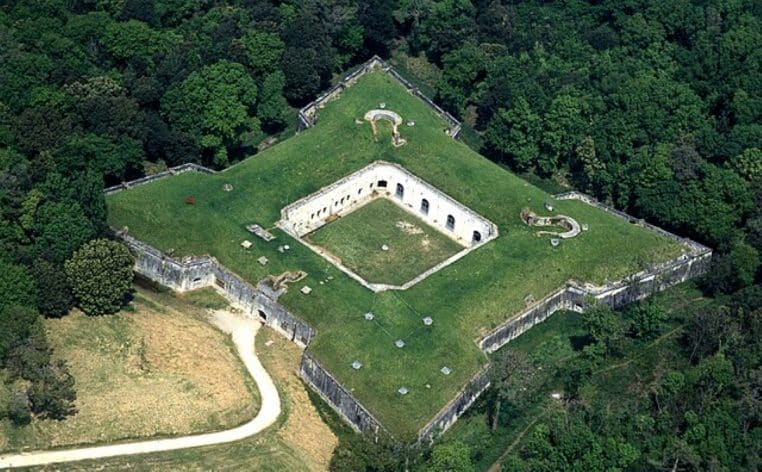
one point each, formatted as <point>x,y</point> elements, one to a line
<point>495,467</point>
<point>243,333</point>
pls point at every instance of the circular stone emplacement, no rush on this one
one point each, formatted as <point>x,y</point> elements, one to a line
<point>369,316</point>
<point>399,343</point>
<point>384,247</point>
<point>555,242</point>
<point>411,123</point>
<point>585,226</point>
<point>356,365</point>
<point>445,370</point>
<point>428,321</point>
<point>403,390</point>
<point>227,187</point>
<point>382,105</point>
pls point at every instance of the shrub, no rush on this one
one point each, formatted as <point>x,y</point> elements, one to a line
<point>19,410</point>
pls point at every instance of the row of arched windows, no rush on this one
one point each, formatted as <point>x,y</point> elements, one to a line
<point>400,193</point>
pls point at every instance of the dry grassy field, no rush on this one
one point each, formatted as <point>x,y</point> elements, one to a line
<point>157,369</point>
<point>300,441</point>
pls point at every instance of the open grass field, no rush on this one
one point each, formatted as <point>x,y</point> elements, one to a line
<point>158,370</point>
<point>357,239</point>
<point>466,299</point>
<point>300,441</point>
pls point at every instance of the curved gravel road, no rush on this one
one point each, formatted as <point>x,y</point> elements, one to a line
<point>242,332</point>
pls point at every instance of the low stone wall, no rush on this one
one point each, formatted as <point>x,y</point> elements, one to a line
<point>309,114</point>
<point>192,273</point>
<point>189,167</point>
<point>337,396</point>
<point>576,296</point>
<point>455,408</point>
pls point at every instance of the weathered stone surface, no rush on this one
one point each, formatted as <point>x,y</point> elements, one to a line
<point>337,396</point>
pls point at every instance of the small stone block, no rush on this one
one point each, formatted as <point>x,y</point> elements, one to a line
<point>445,370</point>
<point>384,247</point>
<point>403,391</point>
<point>227,187</point>
<point>246,244</point>
<point>585,226</point>
<point>411,123</point>
<point>548,206</point>
<point>428,321</point>
<point>382,105</point>
<point>356,365</point>
<point>263,260</point>
<point>555,242</point>
<point>399,343</point>
<point>281,249</point>
<point>286,247</point>
<point>369,316</point>
<point>306,290</point>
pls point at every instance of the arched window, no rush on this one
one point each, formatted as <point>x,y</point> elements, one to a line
<point>476,237</point>
<point>400,192</point>
<point>382,183</point>
<point>425,206</point>
<point>450,222</point>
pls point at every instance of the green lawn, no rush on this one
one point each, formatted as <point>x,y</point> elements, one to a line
<point>412,245</point>
<point>466,299</point>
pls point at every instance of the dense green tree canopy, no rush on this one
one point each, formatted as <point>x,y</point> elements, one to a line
<point>100,275</point>
<point>216,105</point>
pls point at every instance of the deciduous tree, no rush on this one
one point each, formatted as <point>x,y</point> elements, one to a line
<point>100,274</point>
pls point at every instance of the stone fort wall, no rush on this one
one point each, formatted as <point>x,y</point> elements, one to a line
<point>308,115</point>
<point>398,185</point>
<point>260,302</point>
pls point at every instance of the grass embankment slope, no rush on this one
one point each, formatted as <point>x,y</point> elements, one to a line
<point>466,299</point>
<point>156,370</point>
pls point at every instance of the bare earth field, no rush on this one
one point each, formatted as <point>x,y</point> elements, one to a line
<point>160,370</point>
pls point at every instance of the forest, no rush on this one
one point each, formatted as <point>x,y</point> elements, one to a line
<point>653,107</point>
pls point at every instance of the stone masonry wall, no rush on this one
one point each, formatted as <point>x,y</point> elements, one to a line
<point>189,167</point>
<point>260,302</point>
<point>337,396</point>
<point>309,114</point>
<point>448,415</point>
<point>576,296</point>
<point>192,273</point>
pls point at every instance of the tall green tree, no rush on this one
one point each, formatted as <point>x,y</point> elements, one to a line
<point>100,275</point>
<point>215,105</point>
<point>60,229</point>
